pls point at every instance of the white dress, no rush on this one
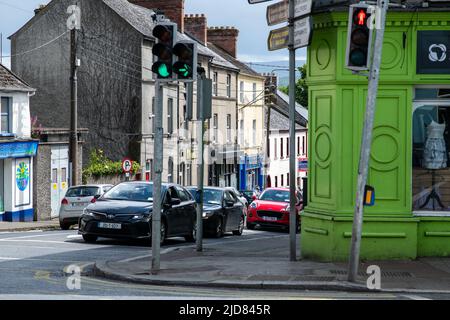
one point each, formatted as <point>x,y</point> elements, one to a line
<point>435,152</point>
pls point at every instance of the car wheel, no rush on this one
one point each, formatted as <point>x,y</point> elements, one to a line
<point>89,238</point>
<point>239,231</point>
<point>64,226</point>
<point>193,236</point>
<point>219,229</point>
<point>251,226</point>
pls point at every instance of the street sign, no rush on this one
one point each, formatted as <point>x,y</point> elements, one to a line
<point>278,39</point>
<point>127,165</point>
<point>257,1</point>
<point>302,164</point>
<point>302,32</point>
<point>277,13</point>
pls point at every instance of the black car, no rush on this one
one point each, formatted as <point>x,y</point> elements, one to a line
<point>222,211</point>
<point>248,194</point>
<point>125,211</point>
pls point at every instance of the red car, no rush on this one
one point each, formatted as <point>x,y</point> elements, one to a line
<point>271,208</point>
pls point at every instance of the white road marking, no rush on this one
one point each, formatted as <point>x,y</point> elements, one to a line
<point>8,258</point>
<point>38,235</point>
<point>414,297</point>
<point>75,236</point>
<point>38,241</point>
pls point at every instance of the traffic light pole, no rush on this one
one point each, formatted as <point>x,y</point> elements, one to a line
<point>73,145</point>
<point>157,195</point>
<point>201,164</point>
<point>292,175</point>
<point>382,7</point>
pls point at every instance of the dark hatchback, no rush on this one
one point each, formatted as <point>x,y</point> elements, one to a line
<point>125,211</point>
<point>222,211</point>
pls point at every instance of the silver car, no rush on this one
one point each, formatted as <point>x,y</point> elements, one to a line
<point>76,199</point>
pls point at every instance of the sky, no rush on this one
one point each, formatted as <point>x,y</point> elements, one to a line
<point>249,19</point>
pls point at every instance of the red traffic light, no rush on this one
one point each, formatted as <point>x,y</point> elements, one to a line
<point>361,17</point>
<point>163,33</point>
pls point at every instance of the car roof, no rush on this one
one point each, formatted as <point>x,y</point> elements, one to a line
<point>207,187</point>
<point>91,186</point>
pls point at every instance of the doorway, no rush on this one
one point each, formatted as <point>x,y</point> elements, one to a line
<point>59,177</point>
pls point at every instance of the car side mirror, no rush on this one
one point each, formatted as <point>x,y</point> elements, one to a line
<point>229,204</point>
<point>254,197</point>
<point>175,202</point>
<point>97,196</point>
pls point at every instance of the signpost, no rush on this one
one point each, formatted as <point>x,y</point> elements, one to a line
<point>278,39</point>
<point>127,166</point>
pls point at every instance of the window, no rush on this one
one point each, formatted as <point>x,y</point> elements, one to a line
<point>287,147</point>
<point>304,145</point>
<point>170,171</point>
<point>254,91</point>
<point>229,85</point>
<point>287,180</point>
<point>241,132</point>
<point>275,148</point>
<point>254,132</point>
<point>228,128</point>
<point>215,84</point>
<point>431,147</point>
<point>241,92</point>
<point>5,115</point>
<point>282,180</point>
<point>215,127</point>
<point>276,182</point>
<point>282,149</point>
<point>298,145</point>
<point>170,116</point>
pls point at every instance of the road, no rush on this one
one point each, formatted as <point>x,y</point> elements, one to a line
<point>33,265</point>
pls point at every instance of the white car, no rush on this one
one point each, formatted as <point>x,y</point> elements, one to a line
<point>240,197</point>
<point>76,199</point>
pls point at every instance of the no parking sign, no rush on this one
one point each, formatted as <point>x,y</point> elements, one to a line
<point>127,165</point>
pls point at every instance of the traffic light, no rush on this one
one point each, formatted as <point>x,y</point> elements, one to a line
<point>359,41</point>
<point>186,65</point>
<point>166,34</point>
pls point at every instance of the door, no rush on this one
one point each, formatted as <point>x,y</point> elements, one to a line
<point>188,210</point>
<point>59,177</point>
<point>2,188</point>
<point>230,212</point>
<point>174,214</point>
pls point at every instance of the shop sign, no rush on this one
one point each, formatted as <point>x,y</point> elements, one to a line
<point>18,149</point>
<point>433,52</point>
<point>302,164</point>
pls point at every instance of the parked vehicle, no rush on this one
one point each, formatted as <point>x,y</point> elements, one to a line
<point>125,211</point>
<point>272,208</point>
<point>222,211</point>
<point>238,195</point>
<point>76,200</point>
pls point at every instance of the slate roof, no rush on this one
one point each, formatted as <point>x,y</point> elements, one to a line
<point>10,82</point>
<point>279,121</point>
<point>298,107</point>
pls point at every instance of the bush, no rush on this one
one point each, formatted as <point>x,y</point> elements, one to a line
<point>100,166</point>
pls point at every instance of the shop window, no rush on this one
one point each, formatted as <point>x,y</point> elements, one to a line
<point>431,152</point>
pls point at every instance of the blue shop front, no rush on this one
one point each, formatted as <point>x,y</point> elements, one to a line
<point>251,172</point>
<point>16,187</point>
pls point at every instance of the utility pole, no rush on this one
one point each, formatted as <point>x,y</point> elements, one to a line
<point>157,195</point>
<point>292,158</point>
<point>200,164</point>
<point>382,8</point>
<point>73,145</point>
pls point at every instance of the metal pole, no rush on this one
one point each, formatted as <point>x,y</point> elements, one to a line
<point>74,108</point>
<point>157,195</point>
<point>367,142</point>
<point>1,48</point>
<point>200,166</point>
<point>293,201</point>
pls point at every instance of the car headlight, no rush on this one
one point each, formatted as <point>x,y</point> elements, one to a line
<point>138,217</point>
<point>253,205</point>
<point>288,208</point>
<point>88,212</point>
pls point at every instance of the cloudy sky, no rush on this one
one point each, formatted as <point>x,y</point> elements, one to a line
<point>249,19</point>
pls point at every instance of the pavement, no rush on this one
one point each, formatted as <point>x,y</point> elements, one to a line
<point>263,263</point>
<point>29,226</point>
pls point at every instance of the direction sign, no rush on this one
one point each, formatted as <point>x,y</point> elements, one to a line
<point>257,1</point>
<point>127,165</point>
<point>278,39</point>
<point>302,32</point>
<point>279,12</point>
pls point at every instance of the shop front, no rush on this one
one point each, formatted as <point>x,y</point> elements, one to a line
<point>410,158</point>
<point>16,166</point>
<point>251,172</point>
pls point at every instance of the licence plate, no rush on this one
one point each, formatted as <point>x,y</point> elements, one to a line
<point>105,225</point>
<point>80,204</point>
<point>270,218</point>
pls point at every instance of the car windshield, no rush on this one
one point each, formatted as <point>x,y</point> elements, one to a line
<point>247,194</point>
<point>209,195</point>
<point>82,192</point>
<point>275,195</point>
<point>131,192</point>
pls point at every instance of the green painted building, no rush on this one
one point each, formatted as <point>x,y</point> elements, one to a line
<point>411,217</point>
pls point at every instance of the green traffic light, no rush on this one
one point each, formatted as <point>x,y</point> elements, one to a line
<point>163,71</point>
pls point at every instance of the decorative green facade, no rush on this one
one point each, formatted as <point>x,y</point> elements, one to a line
<point>337,101</point>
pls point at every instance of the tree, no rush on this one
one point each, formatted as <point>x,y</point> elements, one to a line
<point>301,89</point>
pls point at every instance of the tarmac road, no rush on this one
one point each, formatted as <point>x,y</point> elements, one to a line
<point>33,265</point>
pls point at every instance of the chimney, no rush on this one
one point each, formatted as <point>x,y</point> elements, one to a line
<point>39,9</point>
<point>197,26</point>
<point>172,9</point>
<point>225,38</point>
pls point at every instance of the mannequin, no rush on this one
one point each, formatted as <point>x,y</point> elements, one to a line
<point>434,156</point>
